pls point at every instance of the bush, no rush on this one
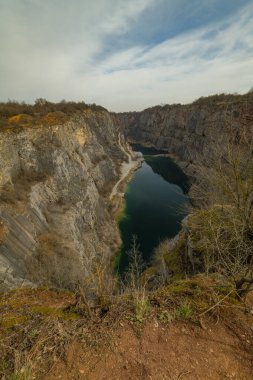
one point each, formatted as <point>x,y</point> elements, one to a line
<point>221,228</point>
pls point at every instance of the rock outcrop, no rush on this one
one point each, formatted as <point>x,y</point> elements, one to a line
<point>192,133</point>
<point>55,183</point>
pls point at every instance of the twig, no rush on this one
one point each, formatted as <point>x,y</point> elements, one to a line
<point>212,307</point>
<point>183,374</point>
<point>84,299</point>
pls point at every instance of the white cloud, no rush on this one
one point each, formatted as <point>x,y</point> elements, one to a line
<point>49,50</point>
<point>182,69</point>
<point>47,47</point>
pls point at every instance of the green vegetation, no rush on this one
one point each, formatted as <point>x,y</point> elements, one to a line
<point>184,311</point>
<point>13,113</point>
<point>217,235</point>
<point>221,99</point>
<point>24,373</point>
<point>43,107</point>
<point>45,322</point>
<point>166,317</point>
<point>135,284</point>
<point>207,269</point>
<point>142,308</point>
<point>221,230</point>
<point>214,100</point>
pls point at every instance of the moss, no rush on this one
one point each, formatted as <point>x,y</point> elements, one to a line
<point>121,214</point>
<point>54,118</point>
<point>173,264</point>
<point>47,311</point>
<point>70,315</point>
<point>172,256</point>
<point>182,287</point>
<point>24,303</point>
<point>10,321</point>
<point>199,292</point>
<point>21,119</point>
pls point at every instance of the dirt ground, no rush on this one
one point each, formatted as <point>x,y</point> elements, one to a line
<point>58,344</point>
<point>178,350</point>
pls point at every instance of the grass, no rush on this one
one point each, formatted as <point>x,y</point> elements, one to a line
<point>24,374</point>
<point>37,325</point>
<point>171,252</point>
<point>7,321</point>
<point>185,311</point>
<point>142,308</point>
<point>166,316</point>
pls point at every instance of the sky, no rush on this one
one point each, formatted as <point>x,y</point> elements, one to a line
<point>125,55</point>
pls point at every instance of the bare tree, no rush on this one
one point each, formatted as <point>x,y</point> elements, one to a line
<point>134,273</point>
<point>136,281</point>
<point>221,228</point>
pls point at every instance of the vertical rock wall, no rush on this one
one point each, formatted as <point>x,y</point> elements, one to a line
<point>55,183</point>
<point>192,133</point>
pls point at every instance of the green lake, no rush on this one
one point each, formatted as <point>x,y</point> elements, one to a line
<point>155,203</point>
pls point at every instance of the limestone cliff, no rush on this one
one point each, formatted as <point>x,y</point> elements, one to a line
<point>55,182</point>
<point>196,134</point>
<point>58,173</point>
<point>192,132</point>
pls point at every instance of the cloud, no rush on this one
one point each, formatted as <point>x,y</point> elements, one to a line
<point>91,50</point>
<point>213,59</point>
<point>48,46</point>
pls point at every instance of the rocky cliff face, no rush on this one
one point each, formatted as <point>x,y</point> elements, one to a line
<point>57,176</point>
<point>55,182</point>
<point>192,133</point>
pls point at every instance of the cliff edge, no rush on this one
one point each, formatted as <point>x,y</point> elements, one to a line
<point>56,175</point>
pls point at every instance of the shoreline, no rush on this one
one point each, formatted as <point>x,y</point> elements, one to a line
<point>127,169</point>
<point>188,167</point>
<point>116,197</point>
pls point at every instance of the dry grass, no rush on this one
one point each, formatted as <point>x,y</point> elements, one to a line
<point>37,326</point>
<point>3,231</point>
<point>54,118</point>
<point>14,115</point>
<point>21,119</point>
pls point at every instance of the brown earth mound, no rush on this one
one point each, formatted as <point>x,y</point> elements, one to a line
<point>175,351</point>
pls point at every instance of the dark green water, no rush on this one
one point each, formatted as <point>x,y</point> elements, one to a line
<point>155,204</point>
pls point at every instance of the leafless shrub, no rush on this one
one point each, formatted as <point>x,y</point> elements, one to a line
<point>42,107</point>
<point>221,230</point>
<point>99,285</point>
<point>54,264</point>
<point>136,282</point>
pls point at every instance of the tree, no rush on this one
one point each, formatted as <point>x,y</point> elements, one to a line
<point>221,227</point>
<point>40,102</point>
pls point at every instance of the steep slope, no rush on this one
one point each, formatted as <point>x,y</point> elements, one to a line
<point>55,182</point>
<point>194,132</point>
